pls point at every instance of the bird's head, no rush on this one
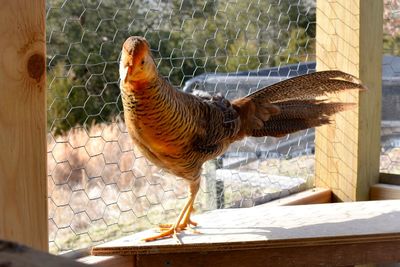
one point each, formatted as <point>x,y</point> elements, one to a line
<point>137,63</point>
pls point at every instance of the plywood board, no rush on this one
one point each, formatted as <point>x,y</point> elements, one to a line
<point>108,261</point>
<point>389,178</point>
<point>311,196</point>
<point>385,191</point>
<point>266,227</point>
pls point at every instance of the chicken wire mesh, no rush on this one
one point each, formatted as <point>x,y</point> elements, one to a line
<point>99,185</point>
<point>390,131</point>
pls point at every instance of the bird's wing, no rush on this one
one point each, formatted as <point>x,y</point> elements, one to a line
<point>218,121</point>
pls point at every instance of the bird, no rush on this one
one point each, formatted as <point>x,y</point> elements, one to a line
<point>179,131</point>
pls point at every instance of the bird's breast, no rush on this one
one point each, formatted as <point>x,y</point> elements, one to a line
<point>157,130</point>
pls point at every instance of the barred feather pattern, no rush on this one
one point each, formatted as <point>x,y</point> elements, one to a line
<point>172,128</point>
<point>308,86</point>
<point>298,115</point>
<point>281,128</point>
<point>179,132</point>
<point>299,109</point>
<point>309,109</point>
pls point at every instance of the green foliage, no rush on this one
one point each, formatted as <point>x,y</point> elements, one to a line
<point>391,44</point>
<point>188,37</point>
<point>57,99</point>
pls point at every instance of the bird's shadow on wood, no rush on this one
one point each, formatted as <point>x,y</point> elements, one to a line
<point>379,224</point>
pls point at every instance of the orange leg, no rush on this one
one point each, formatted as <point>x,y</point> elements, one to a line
<point>183,219</point>
<point>186,221</point>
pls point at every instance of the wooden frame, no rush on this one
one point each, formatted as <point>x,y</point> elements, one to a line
<point>349,38</point>
<point>23,165</point>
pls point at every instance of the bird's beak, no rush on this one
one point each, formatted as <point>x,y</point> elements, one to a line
<point>125,65</point>
<point>123,71</point>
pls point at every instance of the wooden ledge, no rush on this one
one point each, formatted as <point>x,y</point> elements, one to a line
<point>17,255</point>
<point>330,234</point>
<point>311,196</point>
<point>384,192</point>
<point>389,178</point>
<point>109,261</point>
<point>316,195</point>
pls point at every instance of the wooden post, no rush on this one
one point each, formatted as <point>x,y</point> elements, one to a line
<point>349,38</point>
<point>210,184</point>
<point>23,177</point>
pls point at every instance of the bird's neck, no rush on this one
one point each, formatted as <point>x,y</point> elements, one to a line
<point>146,90</point>
<point>138,87</point>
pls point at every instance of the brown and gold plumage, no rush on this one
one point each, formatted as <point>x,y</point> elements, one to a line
<point>179,131</point>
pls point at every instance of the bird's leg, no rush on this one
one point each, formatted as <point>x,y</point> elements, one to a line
<point>184,216</point>
<point>185,222</point>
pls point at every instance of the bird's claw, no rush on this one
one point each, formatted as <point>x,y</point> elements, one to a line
<point>164,234</point>
<point>170,232</point>
<point>182,226</point>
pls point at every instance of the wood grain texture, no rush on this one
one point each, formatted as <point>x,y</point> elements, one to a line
<point>23,190</point>
<point>349,38</point>
<point>384,192</point>
<point>348,233</point>
<point>311,196</point>
<point>389,178</point>
<point>109,261</point>
<point>14,255</point>
<point>308,256</point>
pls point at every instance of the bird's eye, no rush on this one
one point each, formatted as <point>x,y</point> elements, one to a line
<point>142,61</point>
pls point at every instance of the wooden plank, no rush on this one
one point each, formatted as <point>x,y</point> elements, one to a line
<point>14,255</point>
<point>384,192</point>
<point>311,196</point>
<point>389,178</point>
<point>349,38</point>
<point>23,190</point>
<point>313,255</point>
<point>109,261</point>
<point>352,230</point>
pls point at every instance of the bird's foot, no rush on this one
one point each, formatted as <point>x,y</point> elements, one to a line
<point>171,232</point>
<point>183,221</point>
<point>182,226</point>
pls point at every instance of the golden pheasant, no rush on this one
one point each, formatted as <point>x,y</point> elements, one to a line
<point>178,131</point>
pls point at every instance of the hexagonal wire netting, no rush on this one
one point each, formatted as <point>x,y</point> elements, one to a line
<point>390,131</point>
<point>100,186</point>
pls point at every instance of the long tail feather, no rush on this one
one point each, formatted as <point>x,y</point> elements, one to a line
<point>308,86</point>
<point>298,109</point>
<point>298,115</point>
<point>280,128</point>
<point>294,103</point>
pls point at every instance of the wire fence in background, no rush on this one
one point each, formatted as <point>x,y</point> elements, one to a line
<point>390,131</point>
<point>100,187</point>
